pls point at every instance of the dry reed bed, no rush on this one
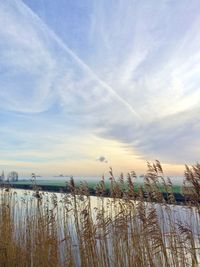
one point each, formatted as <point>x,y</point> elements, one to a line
<point>44,229</point>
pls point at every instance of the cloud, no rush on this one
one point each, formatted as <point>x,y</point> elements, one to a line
<point>102,159</point>
<point>136,81</point>
<point>41,66</point>
<point>152,59</point>
<point>26,64</point>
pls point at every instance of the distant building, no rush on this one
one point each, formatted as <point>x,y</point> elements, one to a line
<point>12,176</point>
<point>2,177</point>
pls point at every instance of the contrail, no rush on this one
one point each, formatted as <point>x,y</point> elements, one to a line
<point>77,59</point>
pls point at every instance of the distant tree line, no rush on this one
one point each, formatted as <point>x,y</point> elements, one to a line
<point>11,177</point>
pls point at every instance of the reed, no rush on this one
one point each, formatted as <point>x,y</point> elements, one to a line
<point>133,227</point>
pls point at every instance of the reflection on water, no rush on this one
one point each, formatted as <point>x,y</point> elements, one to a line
<point>82,223</point>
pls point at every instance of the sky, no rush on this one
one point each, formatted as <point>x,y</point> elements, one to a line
<point>85,85</point>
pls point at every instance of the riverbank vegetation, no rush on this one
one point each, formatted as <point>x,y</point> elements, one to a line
<point>134,228</point>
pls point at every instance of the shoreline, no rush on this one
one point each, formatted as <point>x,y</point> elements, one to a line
<point>179,197</point>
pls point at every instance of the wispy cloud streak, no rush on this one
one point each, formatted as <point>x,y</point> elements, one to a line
<point>134,77</point>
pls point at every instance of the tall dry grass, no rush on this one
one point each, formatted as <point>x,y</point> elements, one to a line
<point>135,228</point>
